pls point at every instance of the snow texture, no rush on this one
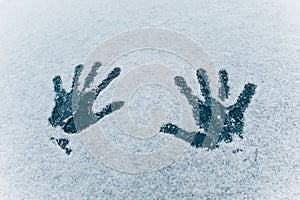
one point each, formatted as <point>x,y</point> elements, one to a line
<point>255,41</point>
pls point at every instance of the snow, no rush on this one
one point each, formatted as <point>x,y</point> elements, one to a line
<point>255,41</point>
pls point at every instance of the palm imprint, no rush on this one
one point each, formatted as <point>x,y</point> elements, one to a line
<point>202,112</point>
<point>73,110</point>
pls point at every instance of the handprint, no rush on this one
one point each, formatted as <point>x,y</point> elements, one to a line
<point>202,112</point>
<point>77,105</point>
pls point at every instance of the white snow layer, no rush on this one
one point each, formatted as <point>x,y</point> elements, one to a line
<point>255,41</point>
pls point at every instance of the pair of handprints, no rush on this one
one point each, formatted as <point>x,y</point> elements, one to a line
<point>73,110</point>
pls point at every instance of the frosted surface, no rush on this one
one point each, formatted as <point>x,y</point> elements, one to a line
<point>255,41</point>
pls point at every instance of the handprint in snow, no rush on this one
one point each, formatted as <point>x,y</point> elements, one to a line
<point>77,105</point>
<point>202,112</point>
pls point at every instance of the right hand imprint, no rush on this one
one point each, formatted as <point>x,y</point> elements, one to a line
<point>202,111</point>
